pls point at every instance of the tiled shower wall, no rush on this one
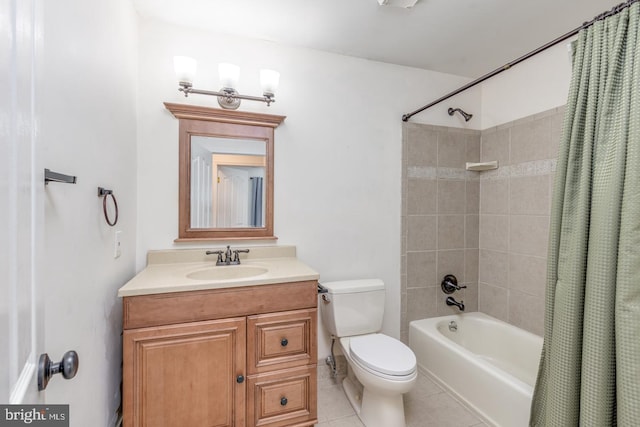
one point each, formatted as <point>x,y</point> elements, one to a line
<point>490,228</point>
<point>440,206</point>
<point>515,203</point>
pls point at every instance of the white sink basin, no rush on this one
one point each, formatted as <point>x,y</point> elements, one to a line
<point>227,272</point>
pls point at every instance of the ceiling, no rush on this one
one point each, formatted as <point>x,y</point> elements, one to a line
<point>462,37</point>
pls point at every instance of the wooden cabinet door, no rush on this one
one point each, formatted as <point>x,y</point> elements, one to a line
<point>185,375</point>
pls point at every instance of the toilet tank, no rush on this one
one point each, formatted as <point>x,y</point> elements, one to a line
<point>353,307</point>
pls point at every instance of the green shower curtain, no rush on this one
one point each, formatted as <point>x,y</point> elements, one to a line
<point>590,367</point>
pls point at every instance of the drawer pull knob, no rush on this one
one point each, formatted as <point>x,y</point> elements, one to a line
<point>284,342</point>
<point>284,401</point>
<point>240,379</point>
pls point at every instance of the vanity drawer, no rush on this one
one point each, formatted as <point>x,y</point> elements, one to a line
<point>281,340</point>
<point>141,311</point>
<point>282,398</point>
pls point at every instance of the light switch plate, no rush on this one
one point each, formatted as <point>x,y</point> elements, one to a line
<point>117,249</point>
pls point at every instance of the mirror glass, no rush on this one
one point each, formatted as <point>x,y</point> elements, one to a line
<point>227,182</point>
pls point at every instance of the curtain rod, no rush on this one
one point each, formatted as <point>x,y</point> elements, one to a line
<point>615,10</point>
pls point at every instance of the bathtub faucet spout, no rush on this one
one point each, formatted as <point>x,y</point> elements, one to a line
<point>452,301</point>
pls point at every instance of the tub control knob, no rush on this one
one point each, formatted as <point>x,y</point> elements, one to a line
<point>450,284</point>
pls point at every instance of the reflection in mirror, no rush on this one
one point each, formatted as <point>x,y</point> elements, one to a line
<point>225,170</point>
<point>227,182</point>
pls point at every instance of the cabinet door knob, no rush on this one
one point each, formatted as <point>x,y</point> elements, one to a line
<point>283,401</point>
<point>240,379</point>
<point>284,342</point>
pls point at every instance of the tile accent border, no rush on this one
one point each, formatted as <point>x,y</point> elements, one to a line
<point>533,168</point>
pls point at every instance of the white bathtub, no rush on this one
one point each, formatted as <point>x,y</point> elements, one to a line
<point>489,365</point>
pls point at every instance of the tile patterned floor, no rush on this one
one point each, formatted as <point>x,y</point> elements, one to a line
<point>427,405</point>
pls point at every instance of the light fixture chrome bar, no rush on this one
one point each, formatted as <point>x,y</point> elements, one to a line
<point>227,98</point>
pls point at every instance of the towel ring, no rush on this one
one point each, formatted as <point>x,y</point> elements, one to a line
<point>104,193</point>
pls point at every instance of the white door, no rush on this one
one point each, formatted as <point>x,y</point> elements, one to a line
<point>21,206</point>
<point>232,202</point>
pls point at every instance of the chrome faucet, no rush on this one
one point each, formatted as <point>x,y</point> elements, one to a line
<point>231,257</point>
<point>452,301</point>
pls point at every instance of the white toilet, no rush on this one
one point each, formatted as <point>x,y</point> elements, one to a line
<point>352,312</point>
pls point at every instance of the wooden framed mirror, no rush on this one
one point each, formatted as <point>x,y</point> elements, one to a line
<point>225,173</point>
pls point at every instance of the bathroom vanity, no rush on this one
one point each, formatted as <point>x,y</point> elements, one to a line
<point>230,345</point>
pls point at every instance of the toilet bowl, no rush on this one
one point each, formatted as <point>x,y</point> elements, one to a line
<point>385,367</point>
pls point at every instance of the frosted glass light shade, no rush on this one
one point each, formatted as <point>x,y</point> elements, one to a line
<point>185,68</point>
<point>229,75</point>
<point>269,80</point>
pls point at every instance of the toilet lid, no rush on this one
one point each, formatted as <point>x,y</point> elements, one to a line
<point>383,354</point>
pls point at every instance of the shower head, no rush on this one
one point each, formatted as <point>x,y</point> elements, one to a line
<point>466,116</point>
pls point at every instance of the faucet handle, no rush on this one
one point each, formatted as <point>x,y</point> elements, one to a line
<point>236,256</point>
<point>219,253</point>
<point>450,284</point>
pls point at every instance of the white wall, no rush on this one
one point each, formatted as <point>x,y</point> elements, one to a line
<point>535,85</point>
<point>337,155</point>
<point>87,103</point>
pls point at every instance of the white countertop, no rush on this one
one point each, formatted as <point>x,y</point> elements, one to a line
<point>167,271</point>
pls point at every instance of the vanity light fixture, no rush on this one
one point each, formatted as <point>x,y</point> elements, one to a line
<point>228,96</point>
<point>407,4</point>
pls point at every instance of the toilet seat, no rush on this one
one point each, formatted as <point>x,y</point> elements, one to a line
<point>382,354</point>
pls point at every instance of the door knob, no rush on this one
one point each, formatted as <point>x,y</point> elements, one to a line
<point>68,367</point>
